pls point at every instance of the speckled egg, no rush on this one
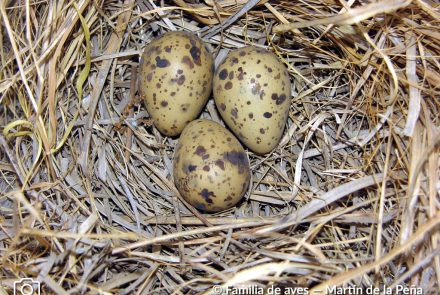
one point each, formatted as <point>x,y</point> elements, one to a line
<point>252,92</point>
<point>211,169</point>
<point>175,80</point>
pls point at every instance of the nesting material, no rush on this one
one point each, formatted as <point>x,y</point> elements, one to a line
<point>349,197</point>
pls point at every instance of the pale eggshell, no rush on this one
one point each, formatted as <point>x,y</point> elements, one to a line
<point>252,92</point>
<point>210,169</point>
<point>175,80</point>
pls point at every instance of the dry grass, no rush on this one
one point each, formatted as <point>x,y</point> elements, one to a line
<point>349,198</point>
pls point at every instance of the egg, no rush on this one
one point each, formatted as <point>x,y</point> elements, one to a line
<point>175,80</point>
<point>252,92</point>
<point>210,168</point>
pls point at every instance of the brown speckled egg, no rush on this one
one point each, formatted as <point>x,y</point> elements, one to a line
<point>175,80</point>
<point>211,169</point>
<point>252,91</point>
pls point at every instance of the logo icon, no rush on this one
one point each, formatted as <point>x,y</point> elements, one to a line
<point>27,286</point>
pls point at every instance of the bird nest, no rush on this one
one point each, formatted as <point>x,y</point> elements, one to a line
<point>347,202</point>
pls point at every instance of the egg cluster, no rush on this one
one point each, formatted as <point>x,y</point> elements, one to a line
<point>252,92</point>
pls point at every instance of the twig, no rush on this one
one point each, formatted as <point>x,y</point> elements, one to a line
<point>215,29</point>
<point>352,16</point>
<point>129,131</point>
<point>324,200</point>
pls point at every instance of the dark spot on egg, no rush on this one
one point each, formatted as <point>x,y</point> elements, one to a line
<point>223,74</point>
<point>241,73</point>
<point>149,76</point>
<point>186,60</point>
<point>195,54</point>
<point>192,39</point>
<point>220,164</point>
<point>180,71</point>
<point>251,115</point>
<point>184,107</point>
<point>231,75</point>
<point>162,63</point>
<point>234,113</point>
<point>164,103</point>
<point>200,151</point>
<point>258,76</point>
<point>267,115</point>
<point>262,131</point>
<point>222,106</point>
<point>168,49</point>
<point>189,168</point>
<point>206,168</point>
<point>199,206</point>
<point>206,194</point>
<point>173,93</point>
<point>181,80</point>
<point>228,85</point>
<point>234,61</point>
<point>229,198</point>
<point>279,98</point>
<point>242,53</point>
<point>237,159</point>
